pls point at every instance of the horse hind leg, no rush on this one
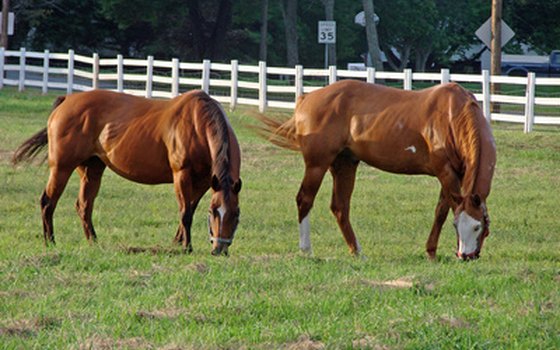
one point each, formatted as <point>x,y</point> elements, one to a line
<point>58,179</point>
<point>304,199</point>
<point>90,172</point>
<point>343,171</point>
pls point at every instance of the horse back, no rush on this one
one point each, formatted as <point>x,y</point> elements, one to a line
<point>391,129</point>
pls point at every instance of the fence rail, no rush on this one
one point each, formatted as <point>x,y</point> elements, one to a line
<point>262,86</point>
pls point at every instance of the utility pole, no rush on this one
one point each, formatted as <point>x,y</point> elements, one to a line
<point>5,13</point>
<point>496,48</point>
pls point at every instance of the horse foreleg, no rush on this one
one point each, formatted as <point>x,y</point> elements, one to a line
<point>343,171</point>
<point>183,191</point>
<point>442,209</point>
<point>90,172</point>
<point>448,199</point>
<point>58,179</point>
<point>304,199</point>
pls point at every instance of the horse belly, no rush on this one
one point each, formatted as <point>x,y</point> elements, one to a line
<point>147,165</point>
<point>395,155</point>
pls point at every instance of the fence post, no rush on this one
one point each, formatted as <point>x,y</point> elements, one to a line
<point>206,75</point>
<point>233,84</point>
<point>407,82</point>
<point>95,71</point>
<point>21,85</point>
<point>486,95</point>
<point>299,81</point>
<point>332,74</point>
<point>370,75</point>
<point>262,86</point>
<point>2,55</point>
<point>445,75</point>
<point>530,103</point>
<point>149,75</point>
<point>45,88</point>
<point>120,74</point>
<point>175,77</point>
<point>70,75</point>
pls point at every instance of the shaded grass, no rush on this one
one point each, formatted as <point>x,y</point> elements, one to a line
<point>135,290</point>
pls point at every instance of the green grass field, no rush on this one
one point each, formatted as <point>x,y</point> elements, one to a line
<point>135,290</point>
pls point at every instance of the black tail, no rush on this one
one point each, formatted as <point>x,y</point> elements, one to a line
<point>35,144</point>
<point>30,148</point>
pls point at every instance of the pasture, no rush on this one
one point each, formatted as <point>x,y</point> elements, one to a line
<point>136,290</point>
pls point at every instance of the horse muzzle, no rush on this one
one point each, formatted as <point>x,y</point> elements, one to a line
<point>220,245</point>
<point>466,257</point>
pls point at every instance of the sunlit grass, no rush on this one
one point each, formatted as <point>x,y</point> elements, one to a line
<point>266,294</point>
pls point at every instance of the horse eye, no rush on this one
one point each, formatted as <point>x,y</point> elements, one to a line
<point>477,228</point>
<point>455,224</point>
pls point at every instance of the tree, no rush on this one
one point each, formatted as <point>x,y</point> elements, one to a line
<point>289,13</point>
<point>372,38</point>
<point>535,23</point>
<point>264,30</point>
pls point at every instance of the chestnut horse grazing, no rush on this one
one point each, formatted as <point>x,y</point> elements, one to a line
<point>187,141</point>
<point>439,131</point>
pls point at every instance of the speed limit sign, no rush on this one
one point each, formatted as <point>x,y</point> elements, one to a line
<point>327,32</point>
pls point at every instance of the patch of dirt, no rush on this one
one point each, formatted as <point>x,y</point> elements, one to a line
<point>453,322</point>
<point>305,343</point>
<point>157,250</point>
<point>368,342</point>
<point>29,328</point>
<point>399,283</point>
<point>201,268</point>
<point>100,343</point>
<point>168,313</point>
<point>6,156</point>
<point>18,293</point>
<point>43,260</point>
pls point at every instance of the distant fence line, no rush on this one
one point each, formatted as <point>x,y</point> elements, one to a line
<point>238,84</point>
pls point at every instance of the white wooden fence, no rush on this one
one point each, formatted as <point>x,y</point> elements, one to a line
<point>261,86</point>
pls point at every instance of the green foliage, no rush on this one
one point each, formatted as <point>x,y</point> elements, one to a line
<point>535,23</point>
<point>266,295</point>
<point>424,33</point>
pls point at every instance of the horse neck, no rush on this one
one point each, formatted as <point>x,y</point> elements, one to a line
<point>475,144</point>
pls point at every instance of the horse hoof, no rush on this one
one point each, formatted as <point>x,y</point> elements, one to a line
<point>306,251</point>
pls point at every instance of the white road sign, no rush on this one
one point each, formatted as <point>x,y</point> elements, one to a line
<point>327,32</point>
<point>484,33</point>
<point>11,20</point>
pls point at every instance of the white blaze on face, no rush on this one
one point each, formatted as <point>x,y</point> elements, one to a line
<point>222,212</point>
<point>469,230</point>
<point>304,235</point>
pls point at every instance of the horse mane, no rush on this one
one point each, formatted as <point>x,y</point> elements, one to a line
<point>467,140</point>
<point>219,131</point>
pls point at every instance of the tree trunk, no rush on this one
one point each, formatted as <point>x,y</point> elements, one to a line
<point>210,47</point>
<point>289,12</point>
<point>371,33</point>
<point>329,16</point>
<point>5,13</point>
<point>221,27</point>
<point>264,30</point>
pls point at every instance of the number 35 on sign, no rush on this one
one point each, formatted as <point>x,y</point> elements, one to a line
<point>327,32</point>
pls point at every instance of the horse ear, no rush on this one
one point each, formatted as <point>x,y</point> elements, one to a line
<point>215,183</point>
<point>237,186</point>
<point>475,200</point>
